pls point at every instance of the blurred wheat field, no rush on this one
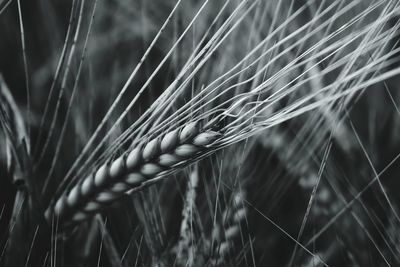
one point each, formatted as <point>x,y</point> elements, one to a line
<point>199,133</point>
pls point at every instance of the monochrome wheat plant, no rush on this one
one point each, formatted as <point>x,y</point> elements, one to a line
<point>236,113</point>
<point>233,115</point>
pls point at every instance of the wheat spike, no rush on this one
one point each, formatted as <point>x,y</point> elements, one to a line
<point>233,216</point>
<point>185,249</point>
<point>111,180</point>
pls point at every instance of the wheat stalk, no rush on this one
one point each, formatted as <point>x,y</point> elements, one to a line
<point>111,180</point>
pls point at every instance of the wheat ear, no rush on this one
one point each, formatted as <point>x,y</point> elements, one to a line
<point>185,249</point>
<point>233,216</point>
<point>161,155</point>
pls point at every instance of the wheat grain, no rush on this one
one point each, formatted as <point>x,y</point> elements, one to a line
<point>112,179</point>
